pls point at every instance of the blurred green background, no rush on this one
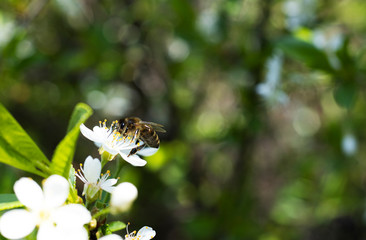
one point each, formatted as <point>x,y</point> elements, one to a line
<point>262,100</point>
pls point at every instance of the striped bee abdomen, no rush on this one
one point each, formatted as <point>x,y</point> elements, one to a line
<point>150,137</point>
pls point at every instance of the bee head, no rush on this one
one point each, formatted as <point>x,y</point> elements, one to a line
<point>128,123</point>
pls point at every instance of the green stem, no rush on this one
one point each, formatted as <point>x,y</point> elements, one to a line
<point>118,167</point>
<point>105,199</point>
<point>88,204</point>
<point>43,167</point>
<point>105,158</point>
<point>102,212</point>
<point>115,175</point>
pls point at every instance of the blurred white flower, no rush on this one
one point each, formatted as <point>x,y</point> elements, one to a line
<point>178,49</point>
<point>45,210</point>
<point>8,29</point>
<point>208,24</point>
<point>145,233</point>
<point>94,181</point>
<point>349,144</point>
<point>299,12</point>
<point>330,40</point>
<point>110,140</point>
<point>122,197</point>
<point>270,89</point>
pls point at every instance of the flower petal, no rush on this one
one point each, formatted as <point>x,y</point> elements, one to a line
<point>101,135</point>
<point>101,132</point>
<point>92,169</point>
<point>123,196</point>
<point>29,193</point>
<point>134,160</point>
<point>17,224</point>
<point>89,134</point>
<point>110,182</point>
<point>56,190</point>
<point>108,185</point>
<point>72,233</point>
<point>72,215</point>
<point>111,237</point>
<point>108,189</point>
<point>47,230</point>
<point>147,151</point>
<point>145,233</point>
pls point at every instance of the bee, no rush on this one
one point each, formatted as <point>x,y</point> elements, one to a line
<point>140,131</point>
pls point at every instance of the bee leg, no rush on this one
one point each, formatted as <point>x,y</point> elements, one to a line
<point>123,130</point>
<point>136,136</point>
<point>136,149</point>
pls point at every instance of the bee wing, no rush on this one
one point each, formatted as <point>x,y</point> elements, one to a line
<point>157,127</point>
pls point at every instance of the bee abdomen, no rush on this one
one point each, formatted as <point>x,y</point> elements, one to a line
<point>150,137</point>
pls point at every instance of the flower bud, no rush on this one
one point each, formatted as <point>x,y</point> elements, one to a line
<point>122,197</point>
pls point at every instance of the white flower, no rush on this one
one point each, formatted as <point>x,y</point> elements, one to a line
<point>45,210</point>
<point>111,141</point>
<point>94,181</point>
<point>122,197</point>
<point>111,237</point>
<point>349,144</point>
<point>145,233</point>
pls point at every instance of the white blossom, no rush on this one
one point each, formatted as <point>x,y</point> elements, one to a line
<point>94,181</point>
<point>122,197</point>
<point>44,210</point>
<point>270,89</point>
<point>111,237</point>
<point>349,144</point>
<point>111,141</point>
<point>145,233</point>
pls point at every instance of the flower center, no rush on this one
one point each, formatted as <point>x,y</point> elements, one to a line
<point>114,141</point>
<point>43,216</point>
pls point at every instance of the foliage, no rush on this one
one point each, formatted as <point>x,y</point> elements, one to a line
<point>19,150</point>
<point>64,153</point>
<point>263,102</point>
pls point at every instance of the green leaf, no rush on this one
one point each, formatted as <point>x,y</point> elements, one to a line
<point>64,153</point>
<point>305,52</point>
<point>17,149</point>
<point>72,177</point>
<point>345,95</point>
<point>10,205</point>
<point>80,114</point>
<point>104,229</point>
<point>116,226</point>
<point>73,196</point>
<point>109,228</point>
<point>8,197</point>
<point>9,201</point>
